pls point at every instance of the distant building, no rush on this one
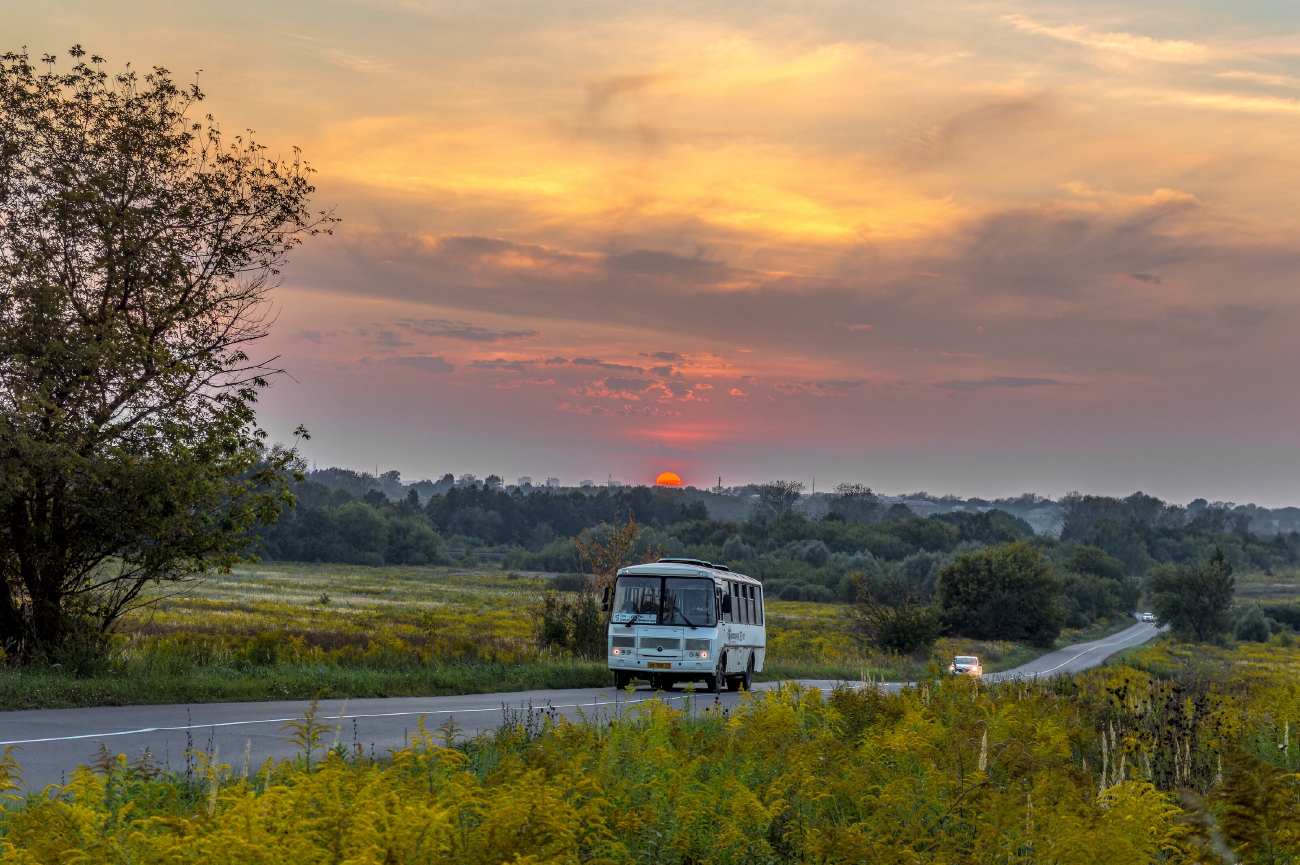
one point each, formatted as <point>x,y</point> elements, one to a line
<point>554,483</point>
<point>525,481</point>
<point>586,482</point>
<point>613,484</point>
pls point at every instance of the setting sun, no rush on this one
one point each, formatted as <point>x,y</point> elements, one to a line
<point>669,479</point>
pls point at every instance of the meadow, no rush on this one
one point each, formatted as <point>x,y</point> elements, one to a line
<point>291,631</point>
<point>1181,755</point>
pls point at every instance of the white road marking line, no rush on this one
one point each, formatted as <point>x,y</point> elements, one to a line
<point>1122,639</point>
<point>213,725</point>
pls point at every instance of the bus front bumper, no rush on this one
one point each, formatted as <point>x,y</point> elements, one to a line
<point>631,662</point>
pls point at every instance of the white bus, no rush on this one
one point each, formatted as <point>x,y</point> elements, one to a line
<point>684,620</point>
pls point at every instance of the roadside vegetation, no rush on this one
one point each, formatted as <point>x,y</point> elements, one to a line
<point>274,632</point>
<point>1183,755</point>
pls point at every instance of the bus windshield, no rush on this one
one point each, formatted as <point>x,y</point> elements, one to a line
<point>688,602</point>
<point>664,601</point>
<point>636,600</point>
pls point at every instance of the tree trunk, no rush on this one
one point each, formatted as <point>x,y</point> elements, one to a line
<point>11,622</point>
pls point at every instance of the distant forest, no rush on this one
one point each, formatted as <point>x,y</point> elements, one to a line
<point>802,547</point>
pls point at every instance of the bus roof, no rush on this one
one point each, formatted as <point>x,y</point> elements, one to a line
<point>688,567</point>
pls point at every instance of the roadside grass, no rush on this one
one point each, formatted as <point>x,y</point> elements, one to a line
<point>51,689</point>
<point>279,631</point>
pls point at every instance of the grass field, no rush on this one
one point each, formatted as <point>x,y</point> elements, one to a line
<point>1180,757</point>
<point>285,631</point>
<point>1279,587</point>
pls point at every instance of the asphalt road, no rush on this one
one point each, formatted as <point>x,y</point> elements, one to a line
<point>52,742</point>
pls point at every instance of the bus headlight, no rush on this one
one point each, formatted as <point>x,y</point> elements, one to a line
<point>618,651</point>
<point>704,654</point>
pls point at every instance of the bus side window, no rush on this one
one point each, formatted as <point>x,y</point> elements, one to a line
<point>758,592</point>
<point>744,603</point>
<point>730,617</point>
<point>753,605</point>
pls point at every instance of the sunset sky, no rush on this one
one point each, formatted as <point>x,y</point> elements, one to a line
<point>981,248</point>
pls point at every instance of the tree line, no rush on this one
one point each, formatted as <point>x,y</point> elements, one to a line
<point>980,574</point>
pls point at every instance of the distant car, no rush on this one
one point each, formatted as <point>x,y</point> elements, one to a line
<point>966,665</point>
<point>1148,617</point>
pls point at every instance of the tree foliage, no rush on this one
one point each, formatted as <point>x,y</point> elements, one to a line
<point>854,503</point>
<point>1006,593</point>
<point>1094,586</point>
<point>775,501</point>
<point>893,614</point>
<point>1252,625</point>
<point>137,248</point>
<point>609,548</point>
<point>1194,600</point>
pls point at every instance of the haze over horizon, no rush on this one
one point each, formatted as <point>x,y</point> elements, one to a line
<point>981,248</point>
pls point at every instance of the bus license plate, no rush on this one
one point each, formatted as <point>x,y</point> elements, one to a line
<point>657,666</point>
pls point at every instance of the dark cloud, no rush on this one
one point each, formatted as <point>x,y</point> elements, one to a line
<point>389,339</point>
<point>999,381</point>
<point>439,327</point>
<point>655,263</point>
<point>501,363</point>
<point>437,365</point>
<point>1243,315</point>
<point>628,384</point>
<point>592,363</point>
<point>819,388</point>
<point>980,127</point>
<point>601,93</point>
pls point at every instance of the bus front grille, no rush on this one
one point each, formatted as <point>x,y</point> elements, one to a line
<point>625,642</point>
<point>697,645</point>
<point>651,644</point>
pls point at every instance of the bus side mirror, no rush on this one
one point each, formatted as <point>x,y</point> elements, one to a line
<point>726,604</point>
<point>604,600</point>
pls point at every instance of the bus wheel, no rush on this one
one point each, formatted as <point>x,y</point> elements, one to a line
<point>716,683</point>
<point>622,679</point>
<point>747,680</point>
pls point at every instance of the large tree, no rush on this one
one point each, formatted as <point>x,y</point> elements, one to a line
<point>137,249</point>
<point>1195,601</point>
<point>855,503</point>
<point>775,501</point>
<point>1002,593</point>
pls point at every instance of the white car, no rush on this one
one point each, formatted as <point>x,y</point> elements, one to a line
<point>966,665</point>
<point>1148,617</point>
